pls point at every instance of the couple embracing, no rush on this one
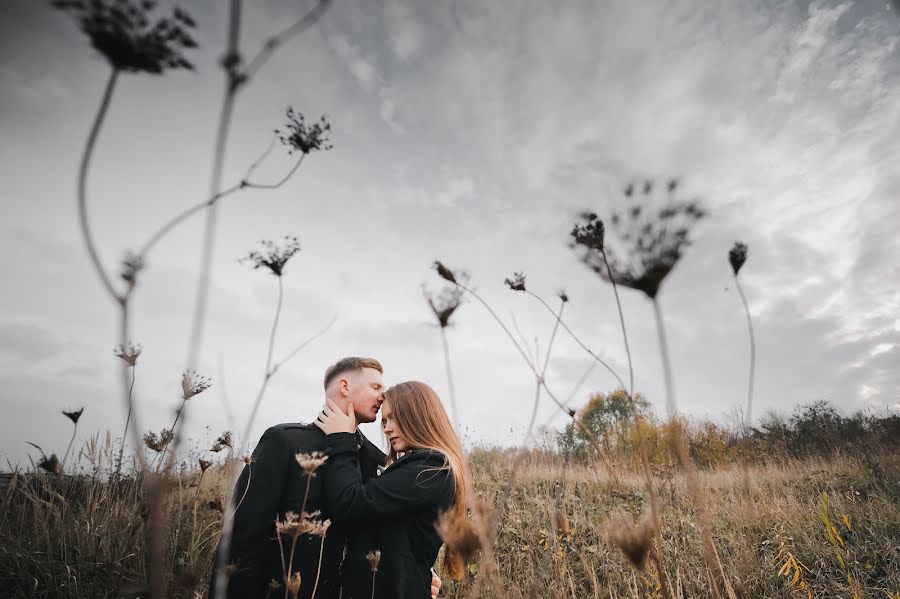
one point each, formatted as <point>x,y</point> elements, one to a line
<point>369,518</point>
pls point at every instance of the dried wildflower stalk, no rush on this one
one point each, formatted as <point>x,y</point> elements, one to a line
<point>444,306</point>
<point>736,257</point>
<point>517,283</point>
<point>73,416</point>
<point>447,274</point>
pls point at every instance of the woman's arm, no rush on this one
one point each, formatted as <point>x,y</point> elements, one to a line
<point>413,483</point>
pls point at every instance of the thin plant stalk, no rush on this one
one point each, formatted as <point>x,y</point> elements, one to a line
<point>294,542</point>
<point>244,183</point>
<point>749,412</point>
<point>550,394</point>
<point>450,385</point>
<point>268,369</point>
<point>615,287</point>
<point>318,568</point>
<point>684,453</point>
<point>82,184</point>
<point>127,421</point>
<point>69,448</point>
<point>579,342</point>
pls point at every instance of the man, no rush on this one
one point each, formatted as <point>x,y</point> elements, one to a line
<point>275,483</point>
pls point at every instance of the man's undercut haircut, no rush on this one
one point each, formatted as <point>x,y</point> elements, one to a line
<point>352,364</point>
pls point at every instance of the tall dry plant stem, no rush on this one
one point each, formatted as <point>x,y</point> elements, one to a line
<point>244,183</point>
<point>610,470</point>
<point>269,352</point>
<point>748,415</point>
<point>127,421</point>
<point>82,185</point>
<point>581,344</point>
<point>450,386</point>
<point>290,565</point>
<point>693,483</point>
<point>615,287</point>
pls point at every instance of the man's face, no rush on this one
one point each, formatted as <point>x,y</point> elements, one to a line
<point>366,393</point>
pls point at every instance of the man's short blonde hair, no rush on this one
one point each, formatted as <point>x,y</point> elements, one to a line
<point>351,364</point>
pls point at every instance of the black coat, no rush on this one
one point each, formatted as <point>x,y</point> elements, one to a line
<point>277,485</point>
<point>394,512</point>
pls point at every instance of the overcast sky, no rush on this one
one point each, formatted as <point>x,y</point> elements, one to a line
<point>473,133</point>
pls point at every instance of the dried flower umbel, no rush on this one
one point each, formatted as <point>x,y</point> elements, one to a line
<point>74,416</point>
<point>273,256</point>
<point>458,534</point>
<point>446,303</point>
<point>517,282</point>
<point>158,443</point>
<point>374,558</point>
<point>129,353</point>
<point>310,462</point>
<point>204,465</point>
<point>737,255</point>
<point>652,235</point>
<point>223,441</point>
<point>302,137</point>
<point>193,384</point>
<point>122,32</point>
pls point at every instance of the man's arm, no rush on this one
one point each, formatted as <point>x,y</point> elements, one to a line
<point>418,482</point>
<point>256,495</point>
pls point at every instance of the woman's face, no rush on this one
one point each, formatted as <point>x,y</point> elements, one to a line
<point>391,430</point>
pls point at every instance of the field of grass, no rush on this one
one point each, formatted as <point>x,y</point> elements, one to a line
<point>788,527</point>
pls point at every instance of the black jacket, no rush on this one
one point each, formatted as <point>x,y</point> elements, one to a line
<point>394,512</point>
<point>277,485</point>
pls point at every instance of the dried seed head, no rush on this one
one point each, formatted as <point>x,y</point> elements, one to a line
<point>273,585</point>
<point>634,540</point>
<point>444,272</point>
<point>651,236</point>
<point>247,459</point>
<point>51,465</point>
<point>73,416</point>
<point>561,522</point>
<point>158,442</point>
<point>224,440</point>
<point>204,465</point>
<point>517,282</point>
<point>230,569</point>
<point>310,462</point>
<point>562,295</point>
<point>300,137</point>
<point>457,532</point>
<point>273,256</point>
<point>293,584</point>
<point>122,32</point>
<point>193,384</point>
<point>374,558</point>
<point>737,255</point>
<point>450,299</point>
<point>129,353</point>
<point>591,233</point>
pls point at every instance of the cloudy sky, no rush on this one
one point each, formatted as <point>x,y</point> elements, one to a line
<point>472,133</point>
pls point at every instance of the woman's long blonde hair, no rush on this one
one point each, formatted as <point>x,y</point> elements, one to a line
<point>421,420</point>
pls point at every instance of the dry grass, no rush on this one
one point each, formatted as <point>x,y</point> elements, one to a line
<point>85,537</point>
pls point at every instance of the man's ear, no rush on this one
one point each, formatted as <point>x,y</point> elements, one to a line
<point>344,387</point>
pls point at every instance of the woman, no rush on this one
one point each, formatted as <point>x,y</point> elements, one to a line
<point>395,513</point>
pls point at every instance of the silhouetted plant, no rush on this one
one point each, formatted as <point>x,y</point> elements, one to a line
<point>737,255</point>
<point>444,306</point>
<point>517,283</point>
<point>73,416</point>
